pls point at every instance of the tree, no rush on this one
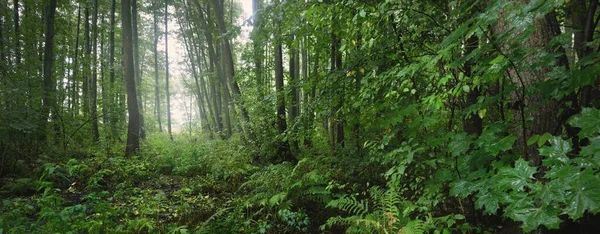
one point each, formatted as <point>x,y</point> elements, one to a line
<point>133,129</point>
<point>156,87</point>
<point>543,111</point>
<point>167,70</point>
<point>94,79</point>
<point>48,100</point>
<point>138,69</point>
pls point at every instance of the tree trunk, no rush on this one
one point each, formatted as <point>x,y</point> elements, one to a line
<point>75,78</point>
<point>156,86</point>
<point>228,57</point>
<point>294,110</point>
<point>473,123</point>
<point>48,98</point>
<point>86,62</point>
<point>167,70</point>
<point>283,147</point>
<point>543,111</point>
<point>199,94</point>
<point>133,130</point>
<point>138,70</point>
<point>17,33</point>
<point>94,79</point>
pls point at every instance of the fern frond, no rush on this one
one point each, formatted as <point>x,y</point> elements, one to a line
<point>350,205</point>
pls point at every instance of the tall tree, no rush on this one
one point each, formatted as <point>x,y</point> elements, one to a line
<point>167,69</point>
<point>156,86</point>
<point>543,111</point>
<point>48,99</point>
<point>283,147</point>
<point>228,57</point>
<point>138,69</point>
<point>94,79</point>
<point>74,79</point>
<point>133,130</point>
<point>17,32</point>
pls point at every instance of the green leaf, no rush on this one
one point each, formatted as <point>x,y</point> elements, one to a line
<point>362,13</point>
<point>460,144</point>
<point>466,88</point>
<point>551,193</point>
<point>503,144</point>
<point>533,139</point>
<point>490,200</point>
<point>533,217</point>
<point>518,177</point>
<point>585,197</point>
<point>462,188</point>
<point>556,152</point>
<point>543,139</point>
<point>593,149</point>
<point>588,120</point>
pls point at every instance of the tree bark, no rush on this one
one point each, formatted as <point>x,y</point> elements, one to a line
<point>294,109</point>
<point>167,69</point>
<point>74,79</point>
<point>86,62</point>
<point>283,147</point>
<point>138,70</point>
<point>228,57</point>
<point>17,33</point>
<point>94,79</point>
<point>156,83</point>
<point>543,112</point>
<point>133,130</point>
<point>48,99</point>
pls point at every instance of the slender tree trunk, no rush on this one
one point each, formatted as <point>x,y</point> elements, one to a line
<point>94,79</point>
<point>473,123</point>
<point>17,33</point>
<point>104,97</point>
<point>75,78</point>
<point>228,57</point>
<point>294,110</point>
<point>212,54</point>
<point>86,62</point>
<point>111,59</point>
<point>167,70</point>
<point>138,70</point>
<point>2,58</point>
<point>48,98</point>
<point>283,147</point>
<point>112,94</point>
<point>199,94</point>
<point>133,130</point>
<point>156,84</point>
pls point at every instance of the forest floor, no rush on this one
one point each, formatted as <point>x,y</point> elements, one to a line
<point>171,187</point>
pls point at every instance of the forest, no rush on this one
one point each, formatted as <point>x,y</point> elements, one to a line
<point>299,116</point>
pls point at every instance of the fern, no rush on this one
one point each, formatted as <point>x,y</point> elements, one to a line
<point>380,213</point>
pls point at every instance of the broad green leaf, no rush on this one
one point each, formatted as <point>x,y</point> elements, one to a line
<point>362,13</point>
<point>551,193</point>
<point>593,149</point>
<point>489,200</point>
<point>533,139</point>
<point>460,144</point>
<point>518,177</point>
<point>588,120</point>
<point>503,144</point>
<point>533,217</point>
<point>585,197</point>
<point>462,188</point>
<point>543,139</point>
<point>556,152</point>
<point>466,88</point>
